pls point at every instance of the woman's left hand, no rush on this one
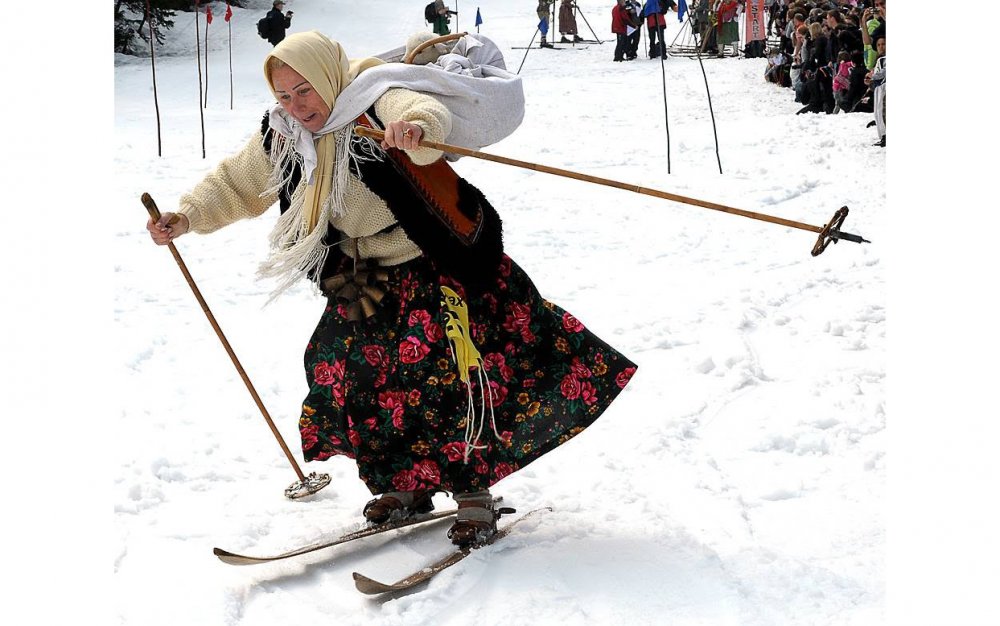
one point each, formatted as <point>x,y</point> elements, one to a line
<point>402,135</point>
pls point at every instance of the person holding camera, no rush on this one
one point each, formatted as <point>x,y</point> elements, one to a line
<point>872,27</point>
<point>440,24</point>
<point>279,22</point>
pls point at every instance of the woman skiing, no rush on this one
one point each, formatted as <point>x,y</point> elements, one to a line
<point>435,365</point>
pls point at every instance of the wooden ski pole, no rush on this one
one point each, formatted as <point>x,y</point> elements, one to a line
<point>305,485</point>
<point>829,232</point>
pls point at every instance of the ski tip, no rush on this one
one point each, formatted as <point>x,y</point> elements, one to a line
<point>234,559</point>
<point>368,586</point>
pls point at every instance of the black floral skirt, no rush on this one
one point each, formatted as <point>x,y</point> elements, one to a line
<point>386,391</point>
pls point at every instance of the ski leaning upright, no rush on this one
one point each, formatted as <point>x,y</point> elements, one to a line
<point>369,586</point>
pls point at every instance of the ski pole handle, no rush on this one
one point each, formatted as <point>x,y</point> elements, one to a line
<point>150,204</point>
<point>154,212</point>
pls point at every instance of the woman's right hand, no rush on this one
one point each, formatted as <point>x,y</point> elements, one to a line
<point>170,226</point>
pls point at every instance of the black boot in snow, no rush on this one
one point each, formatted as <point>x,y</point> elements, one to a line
<point>398,505</point>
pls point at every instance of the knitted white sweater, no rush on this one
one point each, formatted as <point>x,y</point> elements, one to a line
<point>232,191</point>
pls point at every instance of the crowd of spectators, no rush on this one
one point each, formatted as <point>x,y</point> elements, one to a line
<point>831,54</point>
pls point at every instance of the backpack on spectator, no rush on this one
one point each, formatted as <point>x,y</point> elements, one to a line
<point>430,13</point>
<point>264,28</point>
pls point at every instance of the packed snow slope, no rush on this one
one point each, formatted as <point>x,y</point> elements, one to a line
<point>739,480</point>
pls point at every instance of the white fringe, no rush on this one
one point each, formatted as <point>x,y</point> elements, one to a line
<point>294,251</point>
<point>472,425</point>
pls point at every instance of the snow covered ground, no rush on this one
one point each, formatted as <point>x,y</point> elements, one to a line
<point>742,478</point>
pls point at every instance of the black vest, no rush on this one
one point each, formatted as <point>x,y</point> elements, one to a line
<point>475,264</point>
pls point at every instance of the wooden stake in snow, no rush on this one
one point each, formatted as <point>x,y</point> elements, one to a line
<point>228,18</point>
<point>208,20</point>
<point>197,55</point>
<point>152,65</point>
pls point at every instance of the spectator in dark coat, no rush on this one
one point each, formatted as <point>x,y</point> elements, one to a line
<point>818,53</point>
<point>834,23</point>
<point>279,22</point>
<point>633,11</point>
<point>819,84</point>
<point>857,88</point>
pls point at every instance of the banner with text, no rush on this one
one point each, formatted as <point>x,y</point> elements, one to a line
<point>756,24</point>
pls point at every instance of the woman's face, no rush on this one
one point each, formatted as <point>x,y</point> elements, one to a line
<point>299,99</point>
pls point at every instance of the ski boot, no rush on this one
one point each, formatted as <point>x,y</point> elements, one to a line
<point>398,506</point>
<point>476,520</point>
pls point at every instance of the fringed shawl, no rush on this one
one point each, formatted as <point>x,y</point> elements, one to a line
<point>485,100</point>
<point>297,239</point>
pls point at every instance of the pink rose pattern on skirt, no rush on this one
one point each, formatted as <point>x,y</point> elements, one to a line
<point>386,392</point>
